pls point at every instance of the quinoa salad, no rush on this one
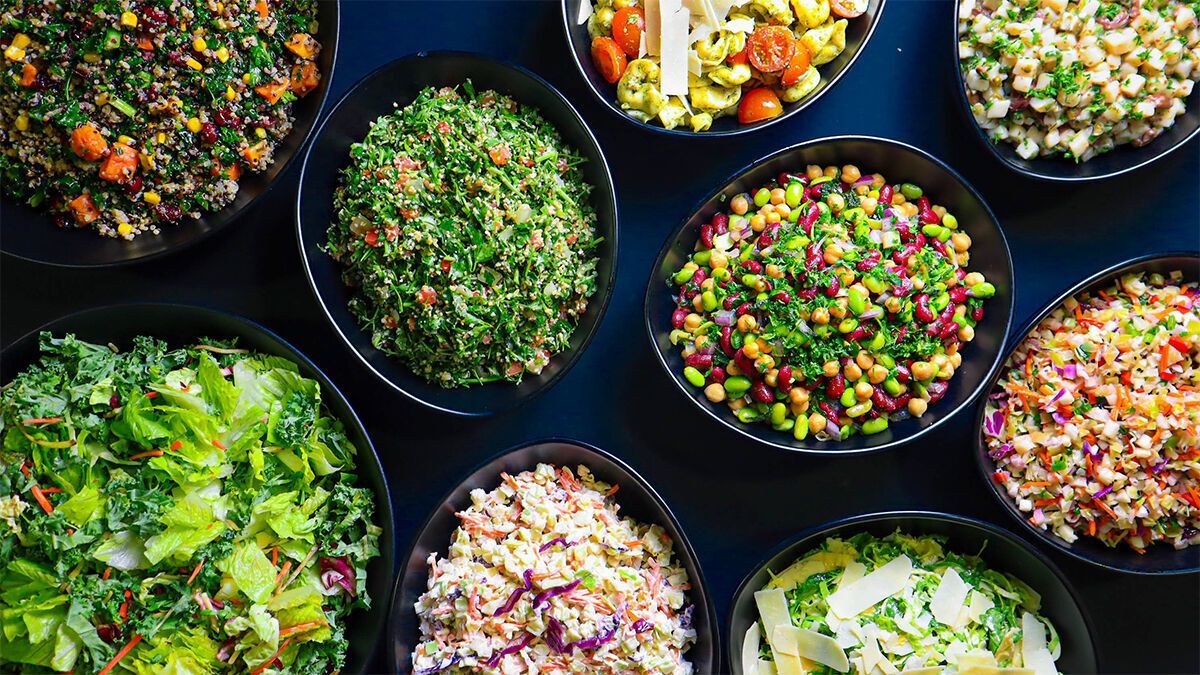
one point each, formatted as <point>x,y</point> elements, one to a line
<point>466,234</point>
<point>1075,78</point>
<point>123,118</point>
<point>543,575</point>
<point>1093,424</point>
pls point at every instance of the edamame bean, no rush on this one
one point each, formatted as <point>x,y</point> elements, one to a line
<point>950,221</point>
<point>748,415</point>
<point>721,274</point>
<point>848,397</point>
<point>778,413</point>
<point>693,376</point>
<point>736,386</point>
<point>945,235</point>
<point>892,386</point>
<point>857,301</point>
<point>933,231</point>
<point>860,409</point>
<point>793,194</point>
<point>762,197</point>
<point>796,243</point>
<point>749,279</point>
<point>708,300</point>
<point>847,325</point>
<point>785,426</point>
<point>885,360</point>
<point>983,290</point>
<point>874,285</point>
<point>876,342</point>
<point>794,215</point>
<point>911,191</point>
<point>874,426</point>
<point>682,276</point>
<point>702,257</point>
<point>939,303</point>
<point>800,431</point>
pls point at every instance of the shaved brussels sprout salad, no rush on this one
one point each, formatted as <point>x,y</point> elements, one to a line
<point>898,603</point>
<point>177,511</point>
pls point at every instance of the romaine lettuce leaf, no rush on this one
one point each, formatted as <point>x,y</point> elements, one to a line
<point>80,507</point>
<point>251,571</point>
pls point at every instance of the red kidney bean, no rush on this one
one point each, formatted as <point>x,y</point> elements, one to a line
<point>905,286</point>
<point>951,341</point>
<point>752,266</point>
<point>977,313</point>
<point>885,195</point>
<point>706,235</point>
<point>701,362</point>
<point>782,296</point>
<point>717,375</point>
<point>934,329</point>
<point>743,308</point>
<point>902,254</point>
<point>783,379</point>
<point>903,375</point>
<point>937,389</point>
<point>960,273</point>
<point>882,401</point>
<point>921,308</point>
<point>902,400</point>
<point>678,317</point>
<point>813,193</point>
<point>905,232</point>
<point>929,217</point>
<point>745,364</point>
<point>806,293</point>
<point>814,262</point>
<point>874,413</point>
<point>869,262</point>
<point>958,295</point>
<point>834,286</point>
<point>919,240</point>
<point>949,328</point>
<point>720,223</point>
<point>761,392</point>
<point>690,293</point>
<point>923,203</point>
<point>730,301</point>
<point>901,332</point>
<point>939,246</point>
<point>726,340</point>
<point>835,386</point>
<point>784,178</point>
<point>809,219</point>
<point>699,276</point>
<point>831,410</point>
<point>860,333</point>
<point>765,240</point>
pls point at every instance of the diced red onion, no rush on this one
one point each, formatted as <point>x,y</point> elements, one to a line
<point>1068,371</point>
<point>865,180</point>
<point>1060,418</point>
<point>1038,517</point>
<point>873,313</point>
<point>723,317</point>
<point>1001,452</point>
<point>876,236</point>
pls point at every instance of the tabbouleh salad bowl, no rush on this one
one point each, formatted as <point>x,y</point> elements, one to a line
<point>998,548</point>
<point>898,162</point>
<point>183,324</point>
<point>398,83</point>
<point>1158,559</point>
<point>29,234</point>
<point>637,499</point>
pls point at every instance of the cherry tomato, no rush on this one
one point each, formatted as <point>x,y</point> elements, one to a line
<point>758,105</point>
<point>796,69</point>
<point>771,48</point>
<point>627,27</point>
<point>848,9</point>
<point>609,59</point>
<point>740,57</point>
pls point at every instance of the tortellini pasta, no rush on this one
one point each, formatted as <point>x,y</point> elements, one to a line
<point>808,82</point>
<point>810,13</point>
<point>719,46</point>
<point>600,22</point>
<point>776,11</point>
<point>826,42</point>
<point>713,97</point>
<point>638,90</point>
<point>730,75</point>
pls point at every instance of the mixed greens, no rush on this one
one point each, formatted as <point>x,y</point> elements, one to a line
<point>465,230</point>
<point>900,602</point>
<point>176,510</point>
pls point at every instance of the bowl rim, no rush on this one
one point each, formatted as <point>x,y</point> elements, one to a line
<point>654,285</point>
<point>797,106</point>
<point>1008,163</point>
<point>644,483</point>
<point>985,468</point>
<point>301,149</point>
<point>384,514</point>
<point>571,357</point>
<point>919,514</point>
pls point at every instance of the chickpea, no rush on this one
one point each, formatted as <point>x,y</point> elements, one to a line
<point>847,277</point>
<point>758,222</point>
<point>973,279</point>
<point>718,260</point>
<point>876,180</point>
<point>798,409</point>
<point>773,217</point>
<point>783,210</point>
<point>760,284</point>
<point>707,284</point>
<point>838,310</point>
<point>701,340</point>
<point>798,395</point>
<point>910,209</point>
<point>960,311</point>
<point>714,392</point>
<point>764,362</point>
<point>918,283</point>
<point>836,201</point>
<point>739,205</point>
<point>774,272</point>
<point>747,323</point>
<point>897,198</point>
<point>864,360</point>
<point>939,210</point>
<point>812,171</point>
<point>963,259</point>
<point>852,372</point>
<point>923,370</point>
<point>737,404</point>
<point>833,253</point>
<point>766,208</point>
<point>830,368</point>
<point>946,372</point>
<point>698,304</point>
<point>956,359</point>
<point>850,173</point>
<point>692,321</point>
<point>961,241</point>
<point>820,316</point>
<point>750,349</point>
<point>777,196</point>
<point>816,422</point>
<point>917,407</point>
<point>966,334</point>
<point>831,171</point>
<point>892,305</point>
<point>690,266</point>
<point>772,377</point>
<point>869,204</point>
<point>939,360</point>
<point>951,351</point>
<point>765,347</point>
<point>877,374</point>
<point>804,314</point>
<point>863,390</point>
<point>731,369</point>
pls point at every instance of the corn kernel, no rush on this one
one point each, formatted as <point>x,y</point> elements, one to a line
<point>230,94</point>
<point>128,19</point>
<point>260,132</point>
<point>193,125</point>
<point>22,122</point>
<point>102,98</point>
<point>124,229</point>
<point>161,137</point>
<point>199,44</point>
<point>14,53</point>
<point>194,64</point>
<point>152,198</point>
<point>247,78</point>
<point>125,139</point>
<point>147,160</point>
<point>21,40</point>
<point>222,54</point>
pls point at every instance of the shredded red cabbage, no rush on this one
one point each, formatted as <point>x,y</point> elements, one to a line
<point>510,649</point>
<point>555,631</point>
<point>552,542</point>
<point>542,600</point>
<point>439,667</point>
<point>338,571</point>
<point>1002,451</point>
<point>513,597</point>
<point>641,626</point>
<point>994,424</point>
<point>1103,492</point>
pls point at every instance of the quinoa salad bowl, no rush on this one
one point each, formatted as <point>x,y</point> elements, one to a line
<point>104,164</point>
<point>425,304</point>
<point>1104,467</point>
<point>851,333</point>
<point>1078,90</point>
<point>557,589</point>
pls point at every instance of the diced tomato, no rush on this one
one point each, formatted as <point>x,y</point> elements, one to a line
<point>303,45</point>
<point>443,127</point>
<point>771,48</point>
<point>848,9</point>
<point>426,296</point>
<point>758,105</point>
<point>609,59</point>
<point>801,60</point>
<point>500,154</point>
<point>84,208</point>
<point>87,142</point>
<point>627,27</point>
<point>1182,345</point>
<point>304,78</point>
<point>372,238</point>
<point>121,164</point>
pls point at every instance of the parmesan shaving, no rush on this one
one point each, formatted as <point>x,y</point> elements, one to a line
<point>1034,653</point>
<point>855,598</point>
<point>653,26</point>
<point>947,603</point>
<point>585,11</point>
<point>674,48</point>
<point>750,650</point>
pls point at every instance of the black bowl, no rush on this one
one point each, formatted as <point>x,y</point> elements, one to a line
<point>1158,559</point>
<point>898,162</point>
<point>858,32</point>
<point>1119,160</point>
<point>181,325</point>
<point>637,498</point>
<point>399,82</point>
<point>30,235</point>
<point>1001,551</point>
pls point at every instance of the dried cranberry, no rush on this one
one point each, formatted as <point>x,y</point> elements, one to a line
<point>208,133</point>
<point>154,17</point>
<point>134,185</point>
<point>225,117</point>
<point>169,213</point>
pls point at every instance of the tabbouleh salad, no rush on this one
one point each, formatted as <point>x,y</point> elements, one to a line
<point>176,511</point>
<point>123,116</point>
<point>465,231</point>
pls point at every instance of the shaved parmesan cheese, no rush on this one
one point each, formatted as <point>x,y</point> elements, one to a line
<point>694,65</point>
<point>674,49</point>
<point>853,572</point>
<point>642,45</point>
<point>585,11</point>
<point>927,670</point>
<point>653,27</point>
<point>787,652</point>
<point>704,9</point>
<point>978,605</point>
<point>740,25</point>
<point>1033,646</point>
<point>750,650</point>
<point>977,658</point>
<point>853,599</point>
<point>992,670</point>
<point>766,667</point>
<point>772,609</point>
<point>872,657</point>
<point>947,602</point>
<point>700,32</point>
<point>812,646</point>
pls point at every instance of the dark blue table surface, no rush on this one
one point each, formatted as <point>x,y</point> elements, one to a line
<point>735,500</point>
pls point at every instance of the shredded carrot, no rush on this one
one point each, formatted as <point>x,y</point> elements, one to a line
<point>1045,502</point>
<point>124,609</point>
<point>1035,483</point>
<point>219,444</point>
<point>107,573</point>
<point>301,627</point>
<point>287,567</point>
<point>51,490</point>
<point>568,481</point>
<point>42,420</point>
<point>1091,528</point>
<point>613,490</point>
<point>275,556</point>
<point>195,572</point>
<point>25,469</point>
<point>120,655</point>
<point>1104,507</point>
<point>41,499</point>
<point>1029,366</point>
<point>151,394</point>
<point>176,446</point>
<point>148,453</point>
<point>263,666</point>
